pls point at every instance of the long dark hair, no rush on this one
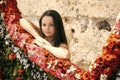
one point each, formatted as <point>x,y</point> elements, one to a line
<point>60,36</point>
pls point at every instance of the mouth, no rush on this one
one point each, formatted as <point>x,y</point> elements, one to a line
<point>47,32</point>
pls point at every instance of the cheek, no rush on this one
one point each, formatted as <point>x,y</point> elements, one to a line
<point>53,30</point>
<point>43,28</point>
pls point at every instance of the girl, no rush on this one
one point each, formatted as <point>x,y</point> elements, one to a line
<point>52,35</point>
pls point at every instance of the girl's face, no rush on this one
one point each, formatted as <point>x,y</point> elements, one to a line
<point>48,27</point>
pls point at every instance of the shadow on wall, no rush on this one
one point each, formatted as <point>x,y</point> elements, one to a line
<point>104,25</point>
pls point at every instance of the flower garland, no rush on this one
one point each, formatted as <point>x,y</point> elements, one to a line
<point>34,71</point>
<point>102,69</point>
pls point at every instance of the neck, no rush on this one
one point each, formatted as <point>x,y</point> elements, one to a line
<point>50,40</point>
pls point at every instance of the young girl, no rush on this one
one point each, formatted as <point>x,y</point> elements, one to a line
<point>52,35</point>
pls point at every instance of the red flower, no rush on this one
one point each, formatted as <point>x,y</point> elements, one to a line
<point>20,71</point>
<point>18,78</point>
<point>12,56</point>
<point>1,75</point>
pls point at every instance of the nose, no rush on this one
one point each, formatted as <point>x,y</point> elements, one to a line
<point>47,27</point>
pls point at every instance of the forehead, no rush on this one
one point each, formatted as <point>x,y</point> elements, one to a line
<point>47,19</point>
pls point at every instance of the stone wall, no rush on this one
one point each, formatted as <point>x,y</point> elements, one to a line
<point>87,23</point>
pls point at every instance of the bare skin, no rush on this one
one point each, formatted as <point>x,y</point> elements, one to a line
<point>59,52</point>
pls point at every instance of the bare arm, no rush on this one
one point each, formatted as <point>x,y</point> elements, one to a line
<point>56,51</point>
<point>59,52</point>
<point>31,28</point>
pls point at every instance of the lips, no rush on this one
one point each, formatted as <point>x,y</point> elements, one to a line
<point>47,32</point>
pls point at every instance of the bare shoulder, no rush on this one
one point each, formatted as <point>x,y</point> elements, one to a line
<point>63,45</point>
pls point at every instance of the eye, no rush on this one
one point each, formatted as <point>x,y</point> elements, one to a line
<point>52,24</point>
<point>43,24</point>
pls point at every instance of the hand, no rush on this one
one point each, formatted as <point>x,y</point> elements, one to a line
<point>38,43</point>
